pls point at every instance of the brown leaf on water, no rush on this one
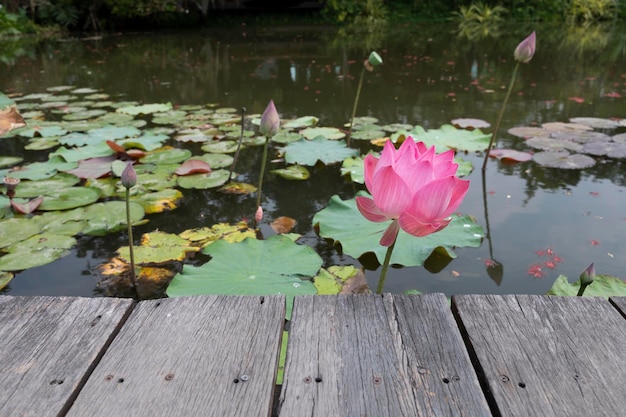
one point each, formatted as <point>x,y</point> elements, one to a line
<point>192,166</point>
<point>283,224</point>
<point>28,207</point>
<point>356,284</point>
<point>10,119</point>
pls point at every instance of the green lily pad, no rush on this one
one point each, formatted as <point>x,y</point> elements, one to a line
<point>158,248</point>
<point>147,142</point>
<point>252,267</point>
<point>156,181</point>
<point>166,156</point>
<point>367,134</point>
<point>42,144</point>
<point>159,201</point>
<point>110,132</point>
<point>216,160</point>
<point>395,127</point>
<point>449,137</point>
<point>342,222</point>
<point>331,281</point>
<point>232,233</point>
<point>301,122</point>
<point>320,149</point>
<point>36,251</point>
<point>293,172</point>
<point>286,137</point>
<point>551,144</point>
<point>145,109</point>
<point>5,278</point>
<point>16,230</point>
<point>116,119</point>
<point>602,286</point>
<point>84,115</point>
<point>84,152</point>
<point>110,217</point>
<point>50,186</point>
<point>8,161</point>
<point>69,198</point>
<point>43,131</point>
<point>224,146</point>
<point>331,133</point>
<point>204,181</point>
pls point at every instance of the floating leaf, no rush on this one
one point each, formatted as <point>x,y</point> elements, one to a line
<point>551,144</point>
<point>612,149</point>
<point>602,286</point>
<point>7,161</point>
<point>204,181</point>
<point>449,137</point>
<point>510,155</point>
<point>166,156</point>
<point>36,251</point>
<point>301,122</point>
<point>283,224</point>
<point>84,152</point>
<point>252,267</point>
<point>110,217</point>
<point>293,172</point>
<point>52,185</point>
<point>342,222</point>
<point>344,279</point>
<point>5,278</point>
<point>564,127</point>
<point>192,166</point>
<point>395,127</point>
<point>240,188</point>
<point>471,124</point>
<point>225,146</point>
<point>147,142</point>
<point>93,167</point>
<point>528,132</point>
<point>563,160</point>
<point>145,109</point>
<point>17,229</point>
<point>232,233</point>
<point>84,115</point>
<point>28,207</point>
<point>286,137</point>
<point>158,248</point>
<point>69,198</point>
<point>216,160</point>
<point>331,133</point>
<point>159,201</point>
<point>367,134</point>
<point>320,149</point>
<point>596,122</point>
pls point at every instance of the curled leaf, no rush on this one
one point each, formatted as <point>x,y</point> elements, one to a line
<point>192,166</point>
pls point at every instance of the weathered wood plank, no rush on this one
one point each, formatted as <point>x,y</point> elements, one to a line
<point>548,356</point>
<point>48,346</point>
<point>373,355</point>
<point>191,356</point>
<point>619,303</point>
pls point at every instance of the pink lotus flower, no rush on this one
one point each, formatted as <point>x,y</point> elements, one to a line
<point>526,49</point>
<point>414,187</point>
<point>270,122</point>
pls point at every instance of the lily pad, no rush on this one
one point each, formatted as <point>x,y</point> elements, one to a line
<point>205,236</point>
<point>449,137</point>
<point>224,146</point>
<point>320,149</point>
<point>93,167</point>
<point>5,278</point>
<point>52,185</point>
<point>551,144</point>
<point>84,115</point>
<point>36,251</point>
<point>511,155</point>
<point>563,160</point>
<point>166,156</point>
<point>216,160</point>
<point>69,198</point>
<point>293,172</point>
<point>114,132</point>
<point>342,222</point>
<point>528,132</point>
<point>16,230</point>
<point>471,123</point>
<point>159,201</point>
<point>110,217</point>
<point>602,286</point>
<point>252,267</point>
<point>286,137</point>
<point>7,161</point>
<point>84,152</point>
<point>331,133</point>
<point>596,122</point>
<point>145,109</point>
<point>204,181</point>
<point>301,122</point>
<point>158,248</point>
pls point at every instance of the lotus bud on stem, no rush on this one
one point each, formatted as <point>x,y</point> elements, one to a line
<point>258,216</point>
<point>270,123</point>
<point>523,54</point>
<point>372,61</point>
<point>129,179</point>
<point>586,278</point>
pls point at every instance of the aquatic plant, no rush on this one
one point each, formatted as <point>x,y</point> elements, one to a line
<point>372,61</point>
<point>415,188</point>
<point>129,179</point>
<point>270,123</point>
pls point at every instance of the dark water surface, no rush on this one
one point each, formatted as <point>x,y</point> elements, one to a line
<point>429,77</point>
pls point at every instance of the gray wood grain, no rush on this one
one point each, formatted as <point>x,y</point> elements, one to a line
<point>190,356</point>
<point>373,355</point>
<point>548,356</point>
<point>48,347</point>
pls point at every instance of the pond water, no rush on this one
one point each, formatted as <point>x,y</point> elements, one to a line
<point>429,77</point>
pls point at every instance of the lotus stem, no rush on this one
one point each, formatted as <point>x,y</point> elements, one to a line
<point>383,272</point>
<point>582,289</point>
<point>263,161</point>
<point>356,102</point>
<point>497,126</point>
<point>133,278</point>
<point>232,167</point>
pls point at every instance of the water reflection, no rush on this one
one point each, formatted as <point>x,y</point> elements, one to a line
<point>429,77</point>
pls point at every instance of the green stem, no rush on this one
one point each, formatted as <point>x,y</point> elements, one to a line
<point>497,126</point>
<point>232,167</point>
<point>356,102</point>
<point>263,161</point>
<point>383,272</point>
<point>133,279</point>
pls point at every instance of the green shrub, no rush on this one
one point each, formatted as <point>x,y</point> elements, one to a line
<point>591,10</point>
<point>351,11</point>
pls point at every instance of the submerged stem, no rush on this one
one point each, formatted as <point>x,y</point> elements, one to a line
<point>133,278</point>
<point>383,272</point>
<point>356,102</point>
<point>497,126</point>
<point>263,161</point>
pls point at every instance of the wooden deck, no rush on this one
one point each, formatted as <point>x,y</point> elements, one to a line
<point>359,355</point>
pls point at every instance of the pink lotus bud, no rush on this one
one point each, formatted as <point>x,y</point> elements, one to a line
<point>258,216</point>
<point>270,122</point>
<point>526,49</point>
<point>588,275</point>
<point>129,176</point>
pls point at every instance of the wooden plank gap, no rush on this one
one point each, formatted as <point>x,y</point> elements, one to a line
<point>480,372</point>
<point>620,304</point>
